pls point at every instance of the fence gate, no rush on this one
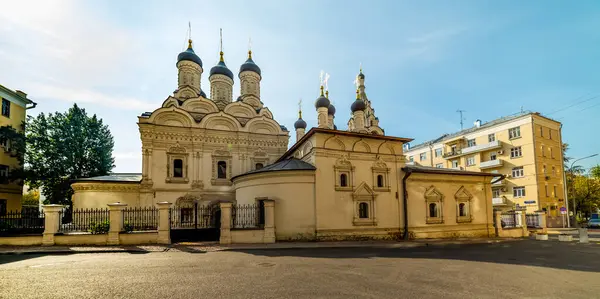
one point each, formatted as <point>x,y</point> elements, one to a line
<point>195,222</point>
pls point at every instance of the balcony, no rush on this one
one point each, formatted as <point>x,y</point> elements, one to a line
<point>499,201</point>
<point>455,153</point>
<point>490,164</point>
<point>482,147</point>
<point>498,184</point>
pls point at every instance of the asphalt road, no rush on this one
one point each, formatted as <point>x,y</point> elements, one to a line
<point>521,269</point>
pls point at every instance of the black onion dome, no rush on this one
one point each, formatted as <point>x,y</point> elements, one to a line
<point>331,109</point>
<point>322,102</point>
<point>189,55</point>
<point>361,75</point>
<point>202,94</point>
<point>249,65</point>
<point>358,105</point>
<point>300,124</point>
<point>221,69</point>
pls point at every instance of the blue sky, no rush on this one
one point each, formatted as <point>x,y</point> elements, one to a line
<point>423,60</point>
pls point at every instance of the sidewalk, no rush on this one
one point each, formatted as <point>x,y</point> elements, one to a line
<point>215,246</point>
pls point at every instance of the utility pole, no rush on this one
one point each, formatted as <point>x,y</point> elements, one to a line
<point>461,117</point>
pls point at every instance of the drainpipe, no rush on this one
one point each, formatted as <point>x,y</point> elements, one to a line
<point>405,203</point>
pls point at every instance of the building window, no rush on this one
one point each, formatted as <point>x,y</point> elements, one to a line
<point>363,210</point>
<point>514,132</point>
<point>541,131</point>
<point>471,142</point>
<point>553,171</point>
<point>554,193</point>
<point>544,170</point>
<point>454,163</point>
<point>515,152</point>
<point>453,150</point>
<point>380,181</point>
<point>546,189</point>
<point>550,133</point>
<point>433,205</point>
<point>6,107</point>
<point>493,156</point>
<point>178,168</point>
<point>422,156</point>
<point>221,170</point>
<point>517,172</point>
<point>3,207</point>
<point>518,191</point>
<point>343,174</point>
<point>471,161</point>
<point>258,166</point>
<point>491,137</point>
<point>411,159</point>
<point>439,165</point>
<point>433,210</point>
<point>438,152</point>
<point>4,171</point>
<point>543,151</point>
<point>343,180</point>
<point>551,153</point>
<point>496,193</point>
<point>462,211</point>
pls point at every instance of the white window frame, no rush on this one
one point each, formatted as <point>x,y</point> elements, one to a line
<point>492,137</point>
<point>493,156</point>
<point>516,152</point>
<point>514,132</point>
<point>470,161</point>
<point>471,142</point>
<point>438,152</point>
<point>518,172</point>
<point>439,165</point>
<point>496,193</point>
<point>423,156</point>
<point>518,191</point>
<point>453,163</point>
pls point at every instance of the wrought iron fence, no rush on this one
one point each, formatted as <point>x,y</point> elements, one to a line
<point>22,222</point>
<point>193,216</point>
<point>509,219</point>
<point>533,220</point>
<point>247,216</point>
<point>84,220</point>
<point>140,218</point>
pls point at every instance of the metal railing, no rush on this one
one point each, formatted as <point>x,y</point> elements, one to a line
<point>194,216</point>
<point>22,222</point>
<point>248,216</point>
<point>509,219</point>
<point>84,220</point>
<point>533,220</point>
<point>140,219</point>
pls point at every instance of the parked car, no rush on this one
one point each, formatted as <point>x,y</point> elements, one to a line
<point>594,223</point>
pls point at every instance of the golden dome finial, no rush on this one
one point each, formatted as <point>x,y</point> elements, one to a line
<point>300,108</point>
<point>249,54</point>
<point>357,94</point>
<point>327,94</point>
<point>322,90</point>
<point>221,58</point>
<point>189,43</point>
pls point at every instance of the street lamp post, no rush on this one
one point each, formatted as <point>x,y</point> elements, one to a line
<point>567,191</point>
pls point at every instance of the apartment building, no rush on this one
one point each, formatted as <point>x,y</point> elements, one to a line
<point>525,147</point>
<point>14,107</point>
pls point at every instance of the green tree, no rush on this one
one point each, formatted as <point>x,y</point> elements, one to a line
<point>31,198</point>
<point>586,193</point>
<point>62,147</point>
<point>595,172</point>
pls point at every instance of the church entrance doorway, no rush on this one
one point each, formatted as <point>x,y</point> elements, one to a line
<point>195,222</point>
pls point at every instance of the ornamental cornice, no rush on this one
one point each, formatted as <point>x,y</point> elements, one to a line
<point>106,187</point>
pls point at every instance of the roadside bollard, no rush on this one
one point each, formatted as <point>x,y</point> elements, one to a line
<point>583,235</point>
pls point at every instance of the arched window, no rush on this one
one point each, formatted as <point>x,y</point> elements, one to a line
<point>363,210</point>
<point>379,180</point>
<point>433,210</point>
<point>462,210</point>
<point>222,170</point>
<point>258,166</point>
<point>343,180</point>
<point>178,168</point>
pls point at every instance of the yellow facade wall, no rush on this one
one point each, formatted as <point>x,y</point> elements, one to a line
<point>294,195</point>
<point>100,194</point>
<point>480,210</point>
<point>12,192</point>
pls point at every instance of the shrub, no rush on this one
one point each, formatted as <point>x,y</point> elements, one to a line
<point>127,227</point>
<point>100,227</point>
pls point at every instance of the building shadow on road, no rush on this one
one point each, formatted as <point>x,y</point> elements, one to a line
<point>558,255</point>
<point>17,256</point>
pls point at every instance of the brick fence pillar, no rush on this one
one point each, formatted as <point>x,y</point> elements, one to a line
<point>542,221</point>
<point>498,222</point>
<point>115,211</point>
<point>164,223</point>
<point>225,237</point>
<point>51,223</point>
<point>269,221</point>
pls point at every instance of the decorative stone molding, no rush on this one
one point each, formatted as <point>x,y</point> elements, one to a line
<point>463,204</point>
<point>364,206</point>
<point>221,155</point>
<point>173,153</point>
<point>344,171</point>
<point>434,214</point>
<point>381,180</point>
<point>106,187</point>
